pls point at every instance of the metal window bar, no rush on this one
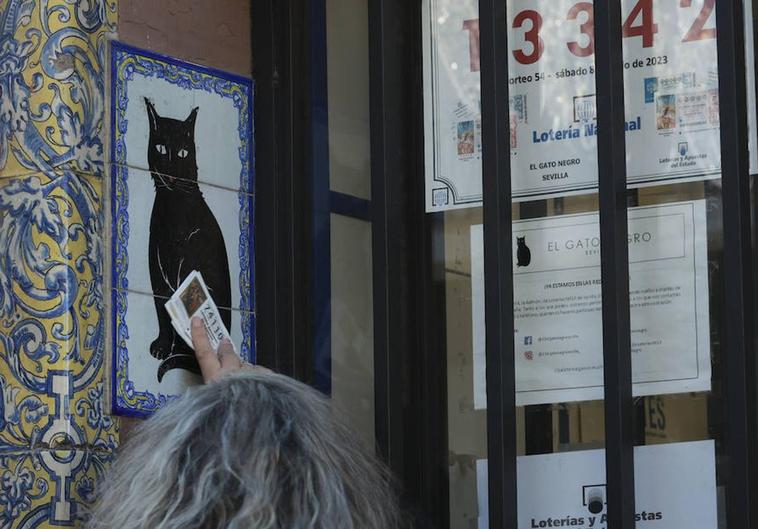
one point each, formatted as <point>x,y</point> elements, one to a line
<point>614,251</point>
<point>736,266</point>
<point>321,284</point>
<point>498,266</point>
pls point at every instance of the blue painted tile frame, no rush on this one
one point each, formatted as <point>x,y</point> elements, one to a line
<point>127,62</point>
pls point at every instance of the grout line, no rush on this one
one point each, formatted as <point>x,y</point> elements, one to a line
<point>150,294</point>
<point>198,181</point>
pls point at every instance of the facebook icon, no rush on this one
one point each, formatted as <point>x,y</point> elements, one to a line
<point>527,340</point>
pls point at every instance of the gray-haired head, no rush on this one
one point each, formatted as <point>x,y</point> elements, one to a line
<point>253,451</point>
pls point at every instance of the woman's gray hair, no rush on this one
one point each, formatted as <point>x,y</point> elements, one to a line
<point>253,451</point>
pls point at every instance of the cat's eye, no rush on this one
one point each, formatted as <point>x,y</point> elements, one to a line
<point>183,153</point>
<point>161,149</point>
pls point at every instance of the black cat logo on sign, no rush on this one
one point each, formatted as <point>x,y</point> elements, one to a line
<point>523,253</point>
<point>181,200</point>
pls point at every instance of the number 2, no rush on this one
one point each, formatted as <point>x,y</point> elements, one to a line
<point>697,32</point>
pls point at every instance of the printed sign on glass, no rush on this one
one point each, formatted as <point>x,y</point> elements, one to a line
<point>557,305</point>
<point>671,95</point>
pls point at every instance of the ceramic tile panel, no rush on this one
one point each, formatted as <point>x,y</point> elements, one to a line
<point>52,322</point>
<point>181,121</point>
<point>160,235</point>
<point>49,488</point>
<point>51,290</point>
<point>52,90</point>
<point>143,383</point>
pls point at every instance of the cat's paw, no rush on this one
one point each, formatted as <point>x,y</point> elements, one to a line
<point>160,348</point>
<point>178,361</point>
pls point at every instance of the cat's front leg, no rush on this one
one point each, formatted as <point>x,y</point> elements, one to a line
<point>162,345</point>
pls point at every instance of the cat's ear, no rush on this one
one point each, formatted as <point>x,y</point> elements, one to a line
<point>152,115</point>
<point>190,121</point>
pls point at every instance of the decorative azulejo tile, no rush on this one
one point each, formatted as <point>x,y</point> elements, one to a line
<point>143,214</point>
<point>51,309</point>
<point>138,389</point>
<point>214,107</point>
<point>51,290</point>
<point>49,488</point>
<point>51,56</point>
<point>192,210</point>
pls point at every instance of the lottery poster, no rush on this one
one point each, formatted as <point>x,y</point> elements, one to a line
<point>671,97</point>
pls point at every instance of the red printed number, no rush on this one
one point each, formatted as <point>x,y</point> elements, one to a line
<point>697,32</point>
<point>647,29</point>
<point>532,37</point>
<point>472,26</point>
<point>588,29</point>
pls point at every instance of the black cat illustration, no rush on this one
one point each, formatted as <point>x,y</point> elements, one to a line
<point>184,234</point>
<point>523,253</point>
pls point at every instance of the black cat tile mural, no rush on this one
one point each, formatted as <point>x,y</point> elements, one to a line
<point>181,200</point>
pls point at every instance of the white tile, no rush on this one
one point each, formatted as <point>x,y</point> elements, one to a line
<point>225,206</point>
<point>216,132</point>
<point>141,321</point>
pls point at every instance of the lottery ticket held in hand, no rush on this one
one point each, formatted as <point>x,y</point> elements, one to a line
<point>193,299</point>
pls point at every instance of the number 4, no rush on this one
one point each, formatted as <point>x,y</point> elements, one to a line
<point>648,28</point>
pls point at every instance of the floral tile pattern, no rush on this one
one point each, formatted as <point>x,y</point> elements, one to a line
<point>54,437</point>
<point>49,488</point>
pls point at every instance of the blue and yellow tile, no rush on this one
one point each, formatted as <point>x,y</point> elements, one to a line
<point>54,433</point>
<point>49,488</point>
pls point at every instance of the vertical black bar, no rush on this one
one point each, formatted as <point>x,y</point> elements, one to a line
<point>392,199</point>
<point>408,269</point>
<point>498,266</point>
<point>617,358</point>
<point>321,284</point>
<point>282,259</point>
<point>737,331</point>
<point>381,229</point>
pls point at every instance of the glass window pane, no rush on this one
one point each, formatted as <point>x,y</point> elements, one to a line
<point>453,150</point>
<point>348,97</point>
<point>676,277</point>
<point>352,323</point>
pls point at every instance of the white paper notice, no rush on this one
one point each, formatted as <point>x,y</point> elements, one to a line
<point>670,88</point>
<point>675,488</point>
<point>557,305</point>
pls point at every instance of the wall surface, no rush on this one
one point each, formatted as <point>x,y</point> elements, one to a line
<point>215,34</point>
<point>56,435</point>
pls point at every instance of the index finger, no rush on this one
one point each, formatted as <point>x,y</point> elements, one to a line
<point>206,356</point>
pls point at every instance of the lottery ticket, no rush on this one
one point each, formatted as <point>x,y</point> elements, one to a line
<point>193,299</point>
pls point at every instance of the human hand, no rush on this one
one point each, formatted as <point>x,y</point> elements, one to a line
<point>215,364</point>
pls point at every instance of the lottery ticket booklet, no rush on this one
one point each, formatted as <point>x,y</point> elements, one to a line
<point>193,299</point>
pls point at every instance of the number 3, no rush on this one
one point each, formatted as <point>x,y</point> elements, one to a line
<point>588,28</point>
<point>532,37</point>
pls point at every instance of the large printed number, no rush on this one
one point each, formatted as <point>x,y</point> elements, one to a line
<point>472,26</point>
<point>639,23</point>
<point>588,29</point>
<point>532,37</point>
<point>697,32</point>
<point>647,29</point>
